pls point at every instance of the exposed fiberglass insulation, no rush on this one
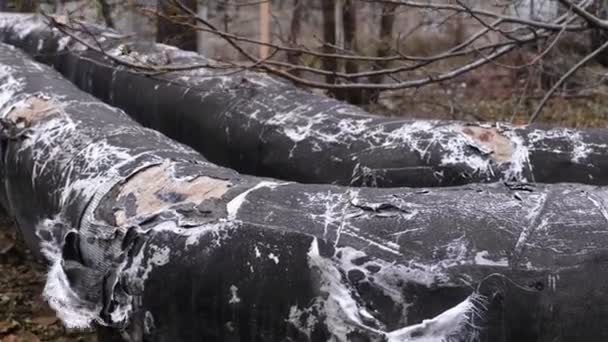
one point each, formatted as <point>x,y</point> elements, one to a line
<point>260,125</point>
<point>149,241</point>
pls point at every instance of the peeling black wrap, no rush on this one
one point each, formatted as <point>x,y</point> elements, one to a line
<point>259,125</point>
<point>149,241</point>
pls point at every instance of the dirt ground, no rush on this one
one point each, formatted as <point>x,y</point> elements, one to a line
<point>24,315</point>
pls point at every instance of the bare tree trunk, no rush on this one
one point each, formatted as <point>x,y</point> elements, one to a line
<point>170,30</point>
<point>349,21</point>
<point>600,35</point>
<point>344,41</point>
<point>226,7</point>
<point>294,32</point>
<point>202,37</point>
<point>106,13</point>
<point>340,94</point>
<point>387,23</point>
<point>339,28</point>
<point>29,5</point>
<point>60,7</point>
<point>264,28</point>
<point>329,39</point>
<point>138,23</point>
<point>24,5</point>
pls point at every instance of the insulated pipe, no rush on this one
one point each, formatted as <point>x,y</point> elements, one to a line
<point>149,241</point>
<point>257,124</point>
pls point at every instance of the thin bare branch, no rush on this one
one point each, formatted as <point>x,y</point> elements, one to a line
<point>564,77</point>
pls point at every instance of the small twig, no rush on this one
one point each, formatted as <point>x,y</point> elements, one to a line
<point>146,68</point>
<point>591,19</point>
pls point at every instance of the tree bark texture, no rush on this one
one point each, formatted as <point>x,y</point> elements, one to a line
<point>387,22</point>
<point>171,30</point>
<point>294,32</point>
<point>329,39</point>
<point>150,241</point>
<point>19,5</point>
<point>106,13</point>
<point>599,36</point>
<point>260,125</point>
<point>349,22</point>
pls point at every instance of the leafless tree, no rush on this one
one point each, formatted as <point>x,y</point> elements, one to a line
<point>330,64</point>
<point>599,35</point>
<point>387,23</point>
<point>294,33</point>
<point>106,12</point>
<point>349,28</point>
<point>360,70</point>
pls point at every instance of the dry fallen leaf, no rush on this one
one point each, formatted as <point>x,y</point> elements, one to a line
<point>44,320</point>
<point>10,338</point>
<point>8,326</point>
<point>26,336</point>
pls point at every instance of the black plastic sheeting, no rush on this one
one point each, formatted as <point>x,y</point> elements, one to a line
<point>259,125</point>
<point>149,241</point>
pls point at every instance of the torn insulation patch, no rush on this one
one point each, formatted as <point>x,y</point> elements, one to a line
<point>491,142</point>
<point>33,109</point>
<point>155,189</point>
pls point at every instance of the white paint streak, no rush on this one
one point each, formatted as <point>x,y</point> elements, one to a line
<point>9,86</point>
<point>481,258</point>
<point>73,311</point>
<point>274,258</point>
<point>63,43</point>
<point>449,324</point>
<point>235,204</point>
<point>344,315</point>
<point>533,223</point>
<point>234,296</point>
<point>600,205</point>
<point>22,24</point>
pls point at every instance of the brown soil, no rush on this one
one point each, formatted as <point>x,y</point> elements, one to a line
<point>24,315</point>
